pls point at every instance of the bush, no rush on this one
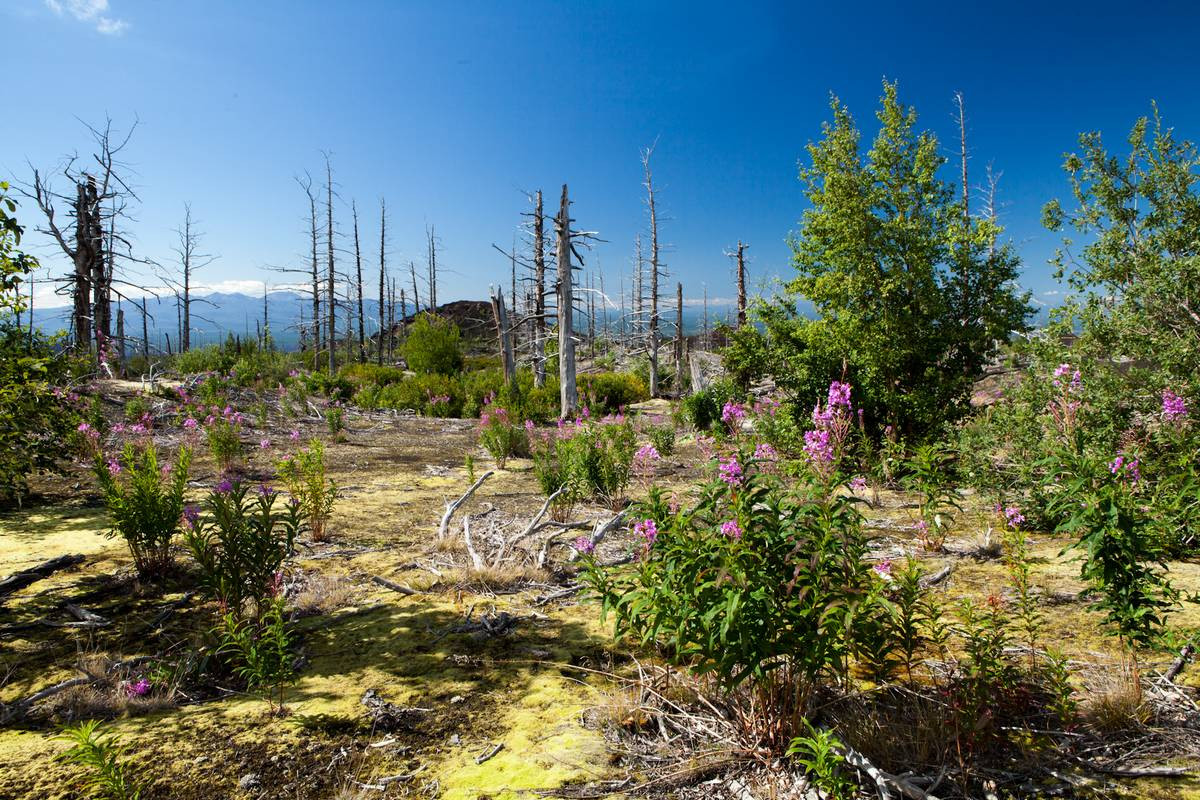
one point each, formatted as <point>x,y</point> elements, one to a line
<point>145,502</point>
<point>240,545</point>
<point>304,476</point>
<point>593,460</point>
<point>261,652</point>
<point>223,432</point>
<point>703,409</point>
<point>501,435</point>
<point>663,438</point>
<point>432,346</point>
<point>611,392</point>
<point>757,580</point>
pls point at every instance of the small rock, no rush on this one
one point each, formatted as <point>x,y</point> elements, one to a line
<point>458,698</point>
<point>455,740</point>
<point>248,781</point>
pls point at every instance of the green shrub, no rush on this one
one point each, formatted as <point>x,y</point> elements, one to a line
<point>110,772</point>
<point>305,477</point>
<point>703,409</point>
<point>610,392</point>
<point>239,545</point>
<point>757,580</point>
<point>260,652</point>
<point>593,460</point>
<point>432,346</point>
<point>362,375</point>
<point>223,433</point>
<point>144,502</point>
<point>136,407</point>
<point>502,435</point>
<point>663,438</point>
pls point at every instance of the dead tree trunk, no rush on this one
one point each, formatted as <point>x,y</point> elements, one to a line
<point>306,184</point>
<point>145,332</point>
<point>82,291</point>
<point>504,335</point>
<point>678,387</point>
<point>120,337</point>
<point>331,312</point>
<point>741,284</point>
<point>539,294</point>
<point>432,240</point>
<point>362,320</point>
<point>568,396</point>
<point>382,276</point>
<point>655,266</point>
<point>412,269</point>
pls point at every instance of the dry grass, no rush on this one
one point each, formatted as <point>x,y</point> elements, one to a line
<point>1116,703</point>
<point>324,594</point>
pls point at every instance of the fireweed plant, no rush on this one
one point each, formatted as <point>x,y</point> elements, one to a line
<point>240,543</point>
<point>145,500</point>
<point>502,435</point>
<point>928,476</point>
<point>260,651</point>
<point>110,775</point>
<point>593,459</point>
<point>1100,502</point>
<point>759,584</point>
<point>304,476</point>
<point>223,431</point>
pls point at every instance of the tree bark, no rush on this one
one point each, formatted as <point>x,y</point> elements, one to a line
<point>654,270</point>
<point>382,276</point>
<point>362,332</point>
<point>741,284</point>
<point>568,396</point>
<point>331,312</point>
<point>539,294</point>
<point>504,335</point>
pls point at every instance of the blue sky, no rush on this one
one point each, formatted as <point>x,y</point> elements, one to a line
<point>452,111</point>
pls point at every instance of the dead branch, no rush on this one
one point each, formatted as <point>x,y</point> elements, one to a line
<point>395,587</point>
<point>450,509</point>
<point>19,580</point>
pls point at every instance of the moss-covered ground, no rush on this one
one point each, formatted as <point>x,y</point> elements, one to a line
<point>530,690</point>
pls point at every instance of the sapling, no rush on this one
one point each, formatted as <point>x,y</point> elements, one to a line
<point>261,651</point>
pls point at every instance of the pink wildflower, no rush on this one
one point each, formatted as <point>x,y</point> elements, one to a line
<point>731,529</point>
<point>584,546</point>
<point>648,530</point>
<point>731,471</point>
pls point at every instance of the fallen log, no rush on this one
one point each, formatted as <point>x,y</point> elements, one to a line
<point>19,580</point>
<point>395,587</point>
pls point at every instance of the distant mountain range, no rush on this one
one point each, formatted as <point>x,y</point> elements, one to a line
<point>217,315</point>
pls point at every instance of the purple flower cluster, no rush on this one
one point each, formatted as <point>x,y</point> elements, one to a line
<point>1122,466</point>
<point>732,529</point>
<point>731,471</point>
<point>818,446</point>
<point>839,395</point>
<point>883,569</point>
<point>647,529</point>
<point>585,546</point>
<point>137,689</point>
<point>733,414</point>
<point>191,517</point>
<point>1014,517</point>
<point>1174,407</point>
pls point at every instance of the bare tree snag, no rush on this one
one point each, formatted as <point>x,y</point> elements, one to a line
<point>431,239</point>
<point>444,527</point>
<point>654,271</point>
<point>568,395</point>
<point>382,276</point>
<point>307,185</point>
<point>412,269</point>
<point>678,387</point>
<point>740,255</point>
<point>331,312</point>
<point>504,335</point>
<point>190,260</point>
<point>539,293</point>
<point>362,320</point>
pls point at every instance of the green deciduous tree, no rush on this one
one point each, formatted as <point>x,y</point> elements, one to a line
<point>1138,277</point>
<point>912,295</point>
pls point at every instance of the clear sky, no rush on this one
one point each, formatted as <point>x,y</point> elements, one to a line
<point>453,110</point>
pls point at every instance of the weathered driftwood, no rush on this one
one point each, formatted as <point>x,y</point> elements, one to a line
<point>937,577</point>
<point>489,754</point>
<point>19,580</point>
<point>21,707</point>
<point>603,530</point>
<point>1184,655</point>
<point>444,527</point>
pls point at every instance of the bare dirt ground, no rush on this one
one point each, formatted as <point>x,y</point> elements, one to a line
<point>503,672</point>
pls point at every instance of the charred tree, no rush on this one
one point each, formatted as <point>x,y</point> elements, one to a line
<point>568,396</point>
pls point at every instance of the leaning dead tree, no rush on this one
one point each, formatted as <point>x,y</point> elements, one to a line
<point>504,334</point>
<point>655,271</point>
<point>90,237</point>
